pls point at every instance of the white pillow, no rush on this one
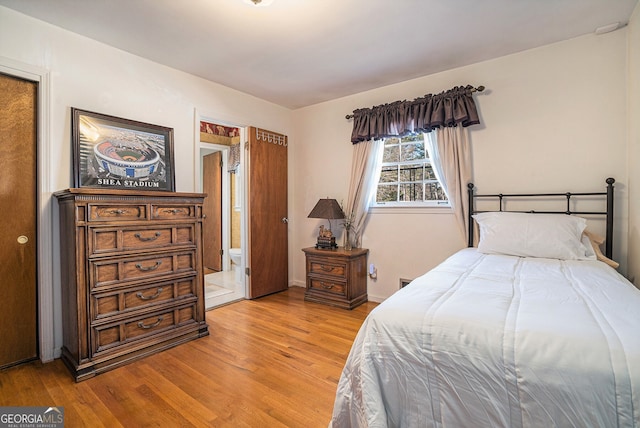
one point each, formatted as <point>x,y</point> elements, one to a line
<point>552,236</point>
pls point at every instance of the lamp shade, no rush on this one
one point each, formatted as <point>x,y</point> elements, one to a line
<point>326,208</point>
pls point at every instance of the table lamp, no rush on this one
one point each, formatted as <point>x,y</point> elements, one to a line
<point>329,209</point>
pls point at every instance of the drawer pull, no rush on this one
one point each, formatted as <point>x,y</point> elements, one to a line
<point>326,268</point>
<point>149,268</point>
<point>150,238</point>
<point>146,327</point>
<point>326,287</point>
<point>117,212</point>
<point>154,296</point>
<point>173,211</point>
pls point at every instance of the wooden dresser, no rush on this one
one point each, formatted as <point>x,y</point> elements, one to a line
<point>132,280</point>
<point>336,277</point>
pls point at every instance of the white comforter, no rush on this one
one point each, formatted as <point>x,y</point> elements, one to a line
<point>498,341</point>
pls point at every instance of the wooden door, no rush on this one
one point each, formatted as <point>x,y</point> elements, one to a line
<point>212,209</point>
<point>18,249</point>
<point>267,212</point>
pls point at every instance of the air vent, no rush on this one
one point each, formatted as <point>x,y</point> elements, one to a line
<point>404,282</point>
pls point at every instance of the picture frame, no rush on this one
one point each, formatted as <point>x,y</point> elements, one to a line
<point>114,153</point>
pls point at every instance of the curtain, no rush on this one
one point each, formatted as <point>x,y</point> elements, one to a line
<point>367,157</point>
<point>448,113</point>
<point>234,158</point>
<point>431,144</point>
<point>451,160</point>
<point>454,107</point>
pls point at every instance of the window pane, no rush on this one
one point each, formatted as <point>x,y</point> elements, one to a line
<point>434,192</point>
<point>429,174</point>
<point>413,151</point>
<point>413,138</point>
<point>389,174</point>
<point>391,154</point>
<point>411,192</point>
<point>387,193</point>
<point>413,172</point>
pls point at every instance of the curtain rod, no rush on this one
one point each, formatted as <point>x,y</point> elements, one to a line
<point>478,89</point>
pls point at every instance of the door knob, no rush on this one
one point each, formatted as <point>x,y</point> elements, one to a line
<point>22,239</point>
<point>285,220</point>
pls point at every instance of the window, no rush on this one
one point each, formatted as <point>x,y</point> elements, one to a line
<point>407,177</point>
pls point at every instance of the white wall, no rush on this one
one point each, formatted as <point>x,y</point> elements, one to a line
<point>553,119</point>
<point>633,50</point>
<point>92,76</point>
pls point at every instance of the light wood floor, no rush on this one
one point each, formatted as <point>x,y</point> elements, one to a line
<point>271,362</point>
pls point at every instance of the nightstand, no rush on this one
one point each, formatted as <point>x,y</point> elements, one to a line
<point>336,277</point>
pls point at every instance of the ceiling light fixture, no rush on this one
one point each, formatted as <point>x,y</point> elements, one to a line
<point>259,3</point>
<point>608,28</point>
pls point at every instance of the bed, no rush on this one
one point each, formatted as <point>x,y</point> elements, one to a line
<point>491,339</point>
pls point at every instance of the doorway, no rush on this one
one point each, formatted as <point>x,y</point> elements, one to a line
<point>254,226</point>
<point>18,230</point>
<point>222,179</point>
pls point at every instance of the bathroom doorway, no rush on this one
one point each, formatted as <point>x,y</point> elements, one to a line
<point>222,178</point>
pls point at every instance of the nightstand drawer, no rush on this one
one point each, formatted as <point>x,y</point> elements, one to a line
<point>327,286</point>
<point>325,267</point>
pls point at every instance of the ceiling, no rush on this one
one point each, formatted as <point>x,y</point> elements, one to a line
<point>296,53</point>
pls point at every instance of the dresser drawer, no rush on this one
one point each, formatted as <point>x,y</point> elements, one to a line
<point>327,286</point>
<point>123,301</point>
<point>327,267</point>
<point>120,239</point>
<point>115,212</point>
<point>173,212</point>
<point>112,336</point>
<point>105,272</point>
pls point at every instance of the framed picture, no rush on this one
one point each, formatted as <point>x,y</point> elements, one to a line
<point>114,153</point>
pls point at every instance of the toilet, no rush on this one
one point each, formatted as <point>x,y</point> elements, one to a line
<point>236,259</point>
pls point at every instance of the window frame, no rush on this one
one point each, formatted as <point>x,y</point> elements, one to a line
<point>429,204</point>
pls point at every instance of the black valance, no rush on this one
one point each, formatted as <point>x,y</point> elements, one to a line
<point>449,108</point>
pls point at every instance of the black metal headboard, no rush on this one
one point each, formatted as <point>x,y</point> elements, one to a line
<point>500,197</point>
